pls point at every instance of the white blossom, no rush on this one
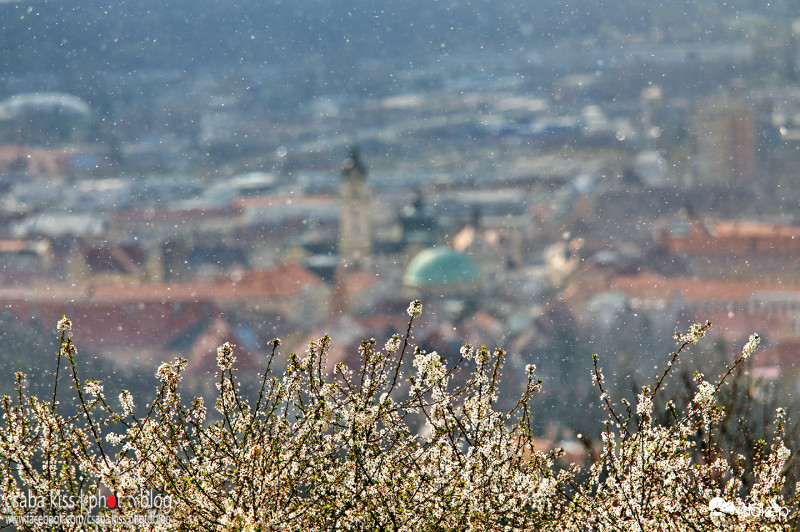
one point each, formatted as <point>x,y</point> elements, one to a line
<point>466,351</point>
<point>750,347</point>
<point>705,394</point>
<point>644,405</point>
<point>64,324</point>
<point>225,356</point>
<point>430,365</point>
<point>171,373</point>
<point>199,410</point>
<point>126,401</point>
<point>393,344</point>
<point>164,372</point>
<point>93,388</point>
<point>695,333</point>
<point>482,356</point>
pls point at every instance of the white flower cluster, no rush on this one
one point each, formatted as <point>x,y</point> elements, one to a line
<point>198,410</point>
<point>482,356</point>
<point>64,324</point>
<point>170,374</point>
<point>696,332</point>
<point>644,404</point>
<point>704,397</point>
<point>750,347</point>
<point>126,401</point>
<point>466,351</point>
<point>393,344</point>
<point>225,358</point>
<point>415,309</point>
<point>431,368</point>
<point>93,388</point>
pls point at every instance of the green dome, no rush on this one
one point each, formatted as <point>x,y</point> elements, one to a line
<point>441,266</point>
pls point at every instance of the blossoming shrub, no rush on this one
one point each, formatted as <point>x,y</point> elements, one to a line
<point>675,476</point>
<point>369,448</point>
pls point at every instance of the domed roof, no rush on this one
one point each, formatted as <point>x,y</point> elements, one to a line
<point>441,266</point>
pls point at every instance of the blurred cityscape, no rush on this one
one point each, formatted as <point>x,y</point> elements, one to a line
<point>556,202</point>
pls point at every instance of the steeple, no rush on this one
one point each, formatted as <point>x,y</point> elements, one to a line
<point>355,220</point>
<point>352,168</point>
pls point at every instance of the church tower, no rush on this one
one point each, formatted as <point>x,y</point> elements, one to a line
<point>355,229</point>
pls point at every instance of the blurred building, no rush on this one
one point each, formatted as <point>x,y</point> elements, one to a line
<point>723,131</point>
<point>420,228</point>
<point>355,222</point>
<point>44,118</point>
<point>733,249</point>
<point>651,102</point>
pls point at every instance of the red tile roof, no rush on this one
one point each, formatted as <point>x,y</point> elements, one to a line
<point>731,237</point>
<point>281,282</point>
<point>737,308</point>
<point>651,286</point>
<point>104,325</point>
<point>114,315</point>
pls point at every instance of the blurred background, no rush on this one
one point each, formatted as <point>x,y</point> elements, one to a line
<point>553,178</point>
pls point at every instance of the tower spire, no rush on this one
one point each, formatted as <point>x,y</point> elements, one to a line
<point>355,220</point>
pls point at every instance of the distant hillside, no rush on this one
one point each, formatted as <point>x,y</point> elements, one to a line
<point>117,34</point>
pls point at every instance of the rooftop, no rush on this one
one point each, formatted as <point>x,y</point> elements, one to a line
<point>441,266</point>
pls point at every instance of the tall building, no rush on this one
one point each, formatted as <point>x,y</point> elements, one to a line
<point>793,52</point>
<point>651,106</point>
<point>725,142</point>
<point>355,223</point>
